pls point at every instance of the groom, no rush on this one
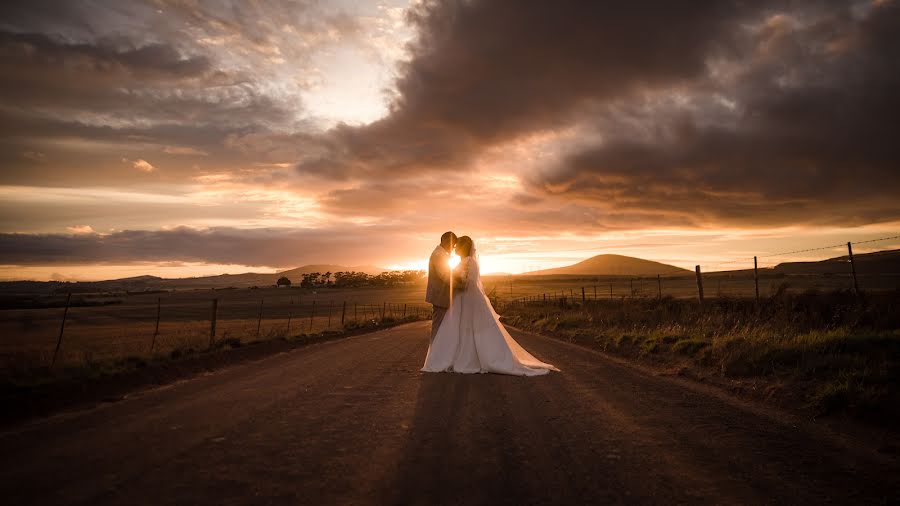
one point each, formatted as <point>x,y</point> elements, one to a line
<point>438,291</point>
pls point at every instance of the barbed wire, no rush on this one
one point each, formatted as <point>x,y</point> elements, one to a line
<point>807,250</point>
<point>746,259</point>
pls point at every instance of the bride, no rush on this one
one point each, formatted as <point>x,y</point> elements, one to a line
<point>471,338</point>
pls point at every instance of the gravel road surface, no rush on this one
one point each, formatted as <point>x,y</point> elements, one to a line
<point>355,422</point>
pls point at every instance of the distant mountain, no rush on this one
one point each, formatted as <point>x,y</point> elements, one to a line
<point>143,283</point>
<point>880,262</point>
<point>613,265</point>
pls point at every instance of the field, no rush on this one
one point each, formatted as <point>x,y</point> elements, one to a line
<point>717,284</point>
<point>116,325</point>
<point>827,351</point>
<point>108,326</point>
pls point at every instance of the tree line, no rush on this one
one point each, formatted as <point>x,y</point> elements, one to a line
<point>353,279</point>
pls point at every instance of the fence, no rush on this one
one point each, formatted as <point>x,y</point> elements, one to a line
<point>748,280</point>
<point>90,327</point>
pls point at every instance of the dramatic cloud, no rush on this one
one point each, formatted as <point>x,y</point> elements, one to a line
<point>321,128</point>
<point>799,129</point>
<point>483,72</point>
<point>264,247</point>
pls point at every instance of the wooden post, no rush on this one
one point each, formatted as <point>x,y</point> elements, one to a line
<point>330,306</point>
<point>756,279</point>
<point>156,332</point>
<point>259,318</point>
<point>343,312</point>
<point>610,291</point>
<point>212,321</point>
<point>383,307</point>
<point>404,311</point>
<point>631,285</point>
<point>699,285</point>
<point>853,269</point>
<point>595,292</point>
<point>312,314</point>
<point>62,327</point>
<point>354,312</point>
<point>290,314</point>
<point>658,287</point>
<point>582,295</point>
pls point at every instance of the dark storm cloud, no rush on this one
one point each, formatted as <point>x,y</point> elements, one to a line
<point>483,72</point>
<point>810,137</point>
<point>269,247</point>
<point>740,112</point>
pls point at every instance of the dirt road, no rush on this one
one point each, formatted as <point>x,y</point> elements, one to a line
<point>354,421</point>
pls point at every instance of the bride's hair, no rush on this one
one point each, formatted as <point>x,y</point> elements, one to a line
<point>464,246</point>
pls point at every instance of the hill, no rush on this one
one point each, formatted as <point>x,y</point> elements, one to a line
<point>143,283</point>
<point>613,265</point>
<point>879,262</point>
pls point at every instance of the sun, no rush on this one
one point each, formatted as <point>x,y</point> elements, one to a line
<point>454,260</point>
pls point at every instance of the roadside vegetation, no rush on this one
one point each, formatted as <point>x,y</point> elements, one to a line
<point>826,352</point>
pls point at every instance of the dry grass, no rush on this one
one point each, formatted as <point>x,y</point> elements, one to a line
<point>833,351</point>
<point>103,332</point>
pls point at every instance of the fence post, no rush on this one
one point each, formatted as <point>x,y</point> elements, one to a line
<point>610,291</point>
<point>404,311</point>
<point>290,315</point>
<point>853,269</point>
<point>343,312</point>
<point>595,292</point>
<point>582,296</point>
<point>212,321</point>
<point>354,312</point>
<point>383,307</point>
<point>631,285</point>
<point>312,314</point>
<point>658,287</point>
<point>259,317</point>
<point>699,285</point>
<point>62,326</point>
<point>156,331</point>
<point>756,279</point>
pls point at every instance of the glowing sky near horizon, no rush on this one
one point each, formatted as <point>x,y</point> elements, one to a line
<point>179,138</point>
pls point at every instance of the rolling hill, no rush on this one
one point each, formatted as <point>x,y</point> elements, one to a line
<point>613,265</point>
<point>142,283</point>
<point>880,262</point>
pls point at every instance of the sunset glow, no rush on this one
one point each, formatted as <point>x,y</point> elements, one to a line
<point>184,140</point>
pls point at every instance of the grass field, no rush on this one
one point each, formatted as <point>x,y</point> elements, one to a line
<point>727,284</point>
<point>104,326</point>
<point>109,326</point>
<point>829,351</point>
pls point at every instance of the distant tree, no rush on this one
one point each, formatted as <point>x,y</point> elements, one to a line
<point>283,281</point>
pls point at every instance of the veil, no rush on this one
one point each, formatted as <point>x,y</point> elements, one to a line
<point>477,260</point>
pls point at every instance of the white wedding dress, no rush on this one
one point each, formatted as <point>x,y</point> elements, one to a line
<point>471,338</point>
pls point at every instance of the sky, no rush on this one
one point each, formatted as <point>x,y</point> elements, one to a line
<point>190,137</point>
